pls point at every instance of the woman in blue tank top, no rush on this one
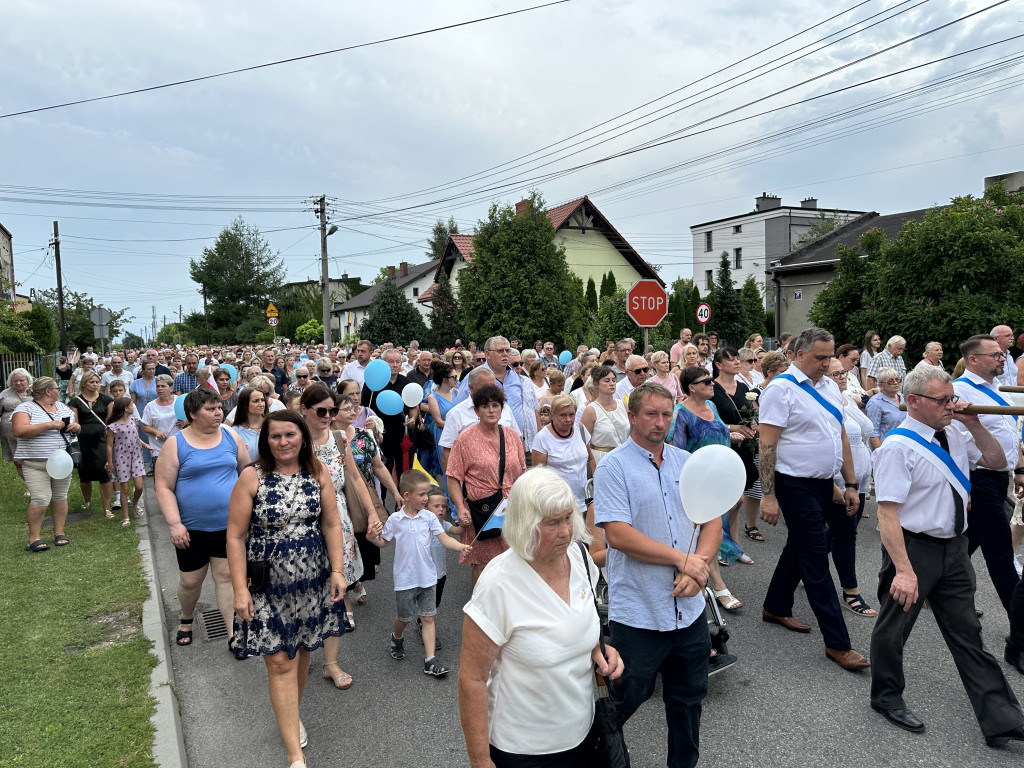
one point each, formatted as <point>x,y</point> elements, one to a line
<point>194,480</point>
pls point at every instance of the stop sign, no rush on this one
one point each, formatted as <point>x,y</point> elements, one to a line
<point>647,303</point>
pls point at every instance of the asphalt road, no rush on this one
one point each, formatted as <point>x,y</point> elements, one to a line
<point>783,704</point>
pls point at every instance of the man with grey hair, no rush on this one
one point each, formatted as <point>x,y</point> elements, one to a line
<point>574,365</point>
<point>463,415</point>
<point>990,528</point>
<point>803,447</point>
<point>394,424</point>
<point>1003,334</point>
<point>657,569</point>
<point>623,349</point>
<point>890,357</point>
<point>922,488</point>
<point>636,374</point>
<point>496,352</point>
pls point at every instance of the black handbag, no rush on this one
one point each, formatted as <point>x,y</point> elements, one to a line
<point>609,742</point>
<point>480,510</point>
<point>71,446</point>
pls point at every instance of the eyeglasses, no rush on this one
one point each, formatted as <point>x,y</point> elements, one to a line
<point>702,381</point>
<point>942,401</point>
<point>641,370</point>
<point>502,351</point>
<point>996,355</point>
<point>892,381</point>
<point>479,359</point>
<point>518,364</point>
<point>321,412</point>
<point>301,375</point>
<point>839,375</point>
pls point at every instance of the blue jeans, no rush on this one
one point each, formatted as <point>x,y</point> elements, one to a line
<point>681,656</point>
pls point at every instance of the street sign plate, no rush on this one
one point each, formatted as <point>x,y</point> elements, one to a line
<point>271,310</point>
<point>703,313</point>
<point>101,331</point>
<point>646,303</point>
<point>272,321</point>
<point>99,315</point>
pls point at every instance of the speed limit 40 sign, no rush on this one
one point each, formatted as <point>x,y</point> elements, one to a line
<point>703,313</point>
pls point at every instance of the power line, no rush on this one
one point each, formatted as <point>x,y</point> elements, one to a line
<point>281,61</point>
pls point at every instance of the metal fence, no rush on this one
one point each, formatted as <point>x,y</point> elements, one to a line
<point>37,365</point>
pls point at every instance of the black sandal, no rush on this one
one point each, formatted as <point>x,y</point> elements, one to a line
<point>752,533</point>
<point>856,604</point>
<point>184,635</point>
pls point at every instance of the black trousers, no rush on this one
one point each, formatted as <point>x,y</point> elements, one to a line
<point>988,527</point>
<point>946,579</point>
<point>805,502</point>
<point>1017,617</point>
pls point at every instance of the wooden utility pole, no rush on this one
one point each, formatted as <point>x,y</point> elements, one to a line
<point>60,291</point>
<point>325,284</point>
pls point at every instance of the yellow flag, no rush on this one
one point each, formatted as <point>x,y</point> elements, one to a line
<point>416,465</point>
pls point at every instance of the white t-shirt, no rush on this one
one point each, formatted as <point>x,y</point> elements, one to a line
<point>160,417</point>
<point>275,405</point>
<point>540,691</point>
<point>464,415</point>
<point>414,567</point>
<point>43,445</point>
<point>566,457</point>
<point>126,376</point>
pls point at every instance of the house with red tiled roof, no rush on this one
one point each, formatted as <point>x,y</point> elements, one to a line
<point>593,247</point>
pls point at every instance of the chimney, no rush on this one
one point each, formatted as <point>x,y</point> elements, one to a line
<point>344,275</point>
<point>391,272</point>
<point>766,202</point>
<point>521,206</point>
<point>809,202</point>
<point>403,269</point>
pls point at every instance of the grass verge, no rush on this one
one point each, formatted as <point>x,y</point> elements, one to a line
<point>74,664</point>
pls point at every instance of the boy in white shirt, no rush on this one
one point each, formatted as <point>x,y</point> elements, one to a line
<point>415,573</point>
<point>437,504</point>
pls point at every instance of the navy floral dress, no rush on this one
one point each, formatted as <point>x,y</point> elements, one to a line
<point>295,611</point>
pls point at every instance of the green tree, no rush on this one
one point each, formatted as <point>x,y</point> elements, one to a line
<point>241,275</point>
<point>684,296</point>
<point>132,341</point>
<point>15,334</point>
<point>608,286</point>
<point>823,224</point>
<point>439,238</point>
<point>176,333</point>
<point>753,304</point>
<point>77,325</point>
<point>613,323</point>
<point>445,327</point>
<point>41,327</point>
<point>730,318</point>
<point>392,317</point>
<point>941,279</point>
<point>310,331</point>
<point>591,295</point>
<point>511,252</point>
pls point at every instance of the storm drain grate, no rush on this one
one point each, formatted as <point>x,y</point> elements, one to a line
<point>213,625</point>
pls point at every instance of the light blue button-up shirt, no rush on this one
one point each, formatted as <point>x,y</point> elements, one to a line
<point>630,488</point>
<point>513,387</point>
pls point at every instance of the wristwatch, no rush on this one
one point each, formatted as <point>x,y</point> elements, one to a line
<point>853,485</point>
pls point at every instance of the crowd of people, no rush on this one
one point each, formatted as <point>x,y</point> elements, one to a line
<point>556,479</point>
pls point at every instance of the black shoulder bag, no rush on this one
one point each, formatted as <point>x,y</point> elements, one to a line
<point>74,450</point>
<point>609,742</point>
<point>480,510</point>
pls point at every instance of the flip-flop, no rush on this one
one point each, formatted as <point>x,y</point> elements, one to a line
<point>61,540</point>
<point>37,546</point>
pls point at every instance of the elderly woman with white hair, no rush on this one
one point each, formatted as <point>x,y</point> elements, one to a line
<point>19,382</point>
<point>932,356</point>
<point>530,638</point>
<point>884,408</point>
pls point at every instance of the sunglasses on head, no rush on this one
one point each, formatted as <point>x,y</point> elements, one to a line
<point>321,412</point>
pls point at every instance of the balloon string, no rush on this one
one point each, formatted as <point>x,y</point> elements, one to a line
<point>688,548</point>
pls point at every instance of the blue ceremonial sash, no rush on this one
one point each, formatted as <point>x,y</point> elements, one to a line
<point>806,387</point>
<point>984,390</point>
<point>938,452</point>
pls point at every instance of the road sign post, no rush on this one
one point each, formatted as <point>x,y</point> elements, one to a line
<point>646,304</point>
<point>703,314</point>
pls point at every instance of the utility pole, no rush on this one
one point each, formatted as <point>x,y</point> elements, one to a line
<point>206,318</point>
<point>153,335</point>
<point>60,291</point>
<point>325,284</point>
<point>179,314</point>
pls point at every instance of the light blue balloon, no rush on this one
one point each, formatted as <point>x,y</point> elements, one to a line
<point>565,357</point>
<point>232,371</point>
<point>389,402</point>
<point>377,376</point>
<point>179,407</point>
<point>303,357</point>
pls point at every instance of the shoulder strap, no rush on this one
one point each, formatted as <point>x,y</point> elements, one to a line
<point>340,441</point>
<point>991,394</point>
<point>939,458</point>
<point>501,457</point>
<point>593,592</point>
<point>810,390</point>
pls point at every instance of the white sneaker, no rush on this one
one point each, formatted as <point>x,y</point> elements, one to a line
<point>303,736</point>
<point>1018,565</point>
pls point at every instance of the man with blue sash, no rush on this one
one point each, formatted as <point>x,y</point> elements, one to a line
<point>803,447</point>
<point>990,526</point>
<point>922,488</point>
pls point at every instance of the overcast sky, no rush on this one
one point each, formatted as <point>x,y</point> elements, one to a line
<point>388,127</point>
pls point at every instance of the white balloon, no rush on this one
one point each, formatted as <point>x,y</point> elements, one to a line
<point>412,394</point>
<point>59,465</point>
<point>711,482</point>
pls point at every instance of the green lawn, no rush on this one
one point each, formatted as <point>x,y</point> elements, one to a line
<point>74,664</point>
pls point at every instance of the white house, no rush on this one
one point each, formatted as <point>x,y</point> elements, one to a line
<point>412,281</point>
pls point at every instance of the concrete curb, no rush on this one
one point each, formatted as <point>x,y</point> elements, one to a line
<point>168,741</point>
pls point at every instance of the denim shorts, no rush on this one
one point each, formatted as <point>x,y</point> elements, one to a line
<point>418,601</point>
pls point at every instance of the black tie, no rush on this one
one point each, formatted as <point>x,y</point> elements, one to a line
<point>958,502</point>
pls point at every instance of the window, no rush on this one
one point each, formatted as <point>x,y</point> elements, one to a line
<point>737,229</point>
<point>737,258</point>
<point>415,291</point>
<point>707,241</point>
<point>709,278</point>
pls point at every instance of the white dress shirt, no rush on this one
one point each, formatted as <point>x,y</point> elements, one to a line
<point>1003,428</point>
<point>923,493</point>
<point>811,443</point>
<point>624,389</point>
<point>464,415</point>
<point>353,371</point>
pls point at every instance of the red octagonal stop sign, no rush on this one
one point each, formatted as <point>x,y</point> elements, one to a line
<point>647,303</point>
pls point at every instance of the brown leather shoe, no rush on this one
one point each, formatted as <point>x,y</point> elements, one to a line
<point>793,625</point>
<point>848,660</point>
